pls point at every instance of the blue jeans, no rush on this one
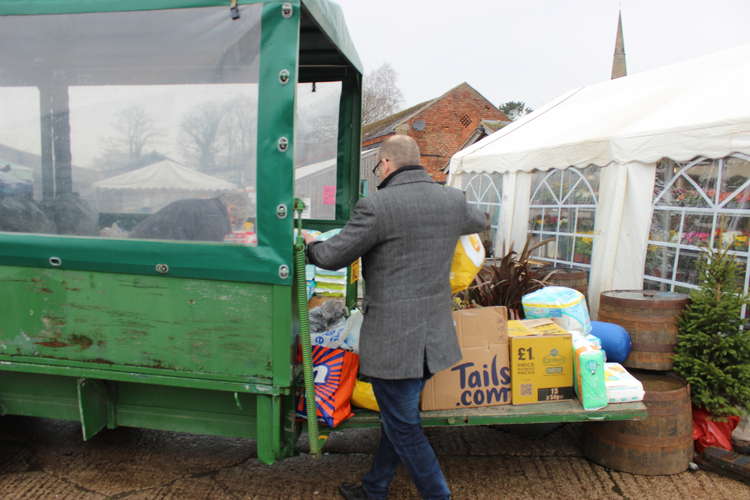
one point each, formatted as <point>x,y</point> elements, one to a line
<point>402,441</point>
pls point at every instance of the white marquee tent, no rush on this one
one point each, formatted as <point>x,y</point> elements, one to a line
<point>698,108</point>
<point>149,188</point>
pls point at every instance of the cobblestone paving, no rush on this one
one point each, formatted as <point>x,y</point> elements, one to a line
<point>46,459</point>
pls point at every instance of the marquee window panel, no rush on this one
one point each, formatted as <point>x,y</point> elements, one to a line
<point>700,204</point>
<point>485,192</point>
<point>562,209</point>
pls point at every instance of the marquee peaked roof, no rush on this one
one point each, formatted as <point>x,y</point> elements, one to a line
<point>699,107</point>
<point>167,175</point>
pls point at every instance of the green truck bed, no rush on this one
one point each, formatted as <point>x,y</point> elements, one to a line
<point>557,411</point>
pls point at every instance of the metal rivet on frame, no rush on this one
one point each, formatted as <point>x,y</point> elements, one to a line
<point>284,76</point>
<point>283,271</point>
<point>283,144</point>
<point>287,10</point>
<point>281,211</point>
<point>162,268</point>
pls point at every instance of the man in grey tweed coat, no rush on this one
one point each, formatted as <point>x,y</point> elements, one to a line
<point>406,234</point>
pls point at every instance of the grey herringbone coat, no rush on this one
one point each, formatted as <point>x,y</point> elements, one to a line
<point>406,234</point>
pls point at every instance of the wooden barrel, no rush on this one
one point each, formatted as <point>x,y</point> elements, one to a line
<point>650,317</point>
<point>660,444</point>
<point>577,279</point>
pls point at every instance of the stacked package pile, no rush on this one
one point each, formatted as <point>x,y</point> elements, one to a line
<point>622,387</point>
<point>330,283</point>
<point>588,372</point>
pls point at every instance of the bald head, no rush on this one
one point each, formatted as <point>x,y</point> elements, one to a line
<point>401,150</point>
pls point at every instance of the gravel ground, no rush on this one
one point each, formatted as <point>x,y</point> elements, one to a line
<point>46,459</point>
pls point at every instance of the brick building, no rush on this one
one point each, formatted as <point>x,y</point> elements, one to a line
<point>441,126</point>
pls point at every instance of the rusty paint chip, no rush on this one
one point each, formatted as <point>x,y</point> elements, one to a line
<point>52,343</point>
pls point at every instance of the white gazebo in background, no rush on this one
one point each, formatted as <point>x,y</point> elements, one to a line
<point>150,188</point>
<point>631,177</point>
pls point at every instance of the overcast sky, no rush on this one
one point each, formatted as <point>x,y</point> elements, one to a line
<point>533,50</point>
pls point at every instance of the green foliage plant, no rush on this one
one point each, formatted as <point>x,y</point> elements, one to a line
<point>506,280</point>
<point>713,347</point>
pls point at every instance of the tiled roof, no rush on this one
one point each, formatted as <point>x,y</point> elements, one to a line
<point>388,124</point>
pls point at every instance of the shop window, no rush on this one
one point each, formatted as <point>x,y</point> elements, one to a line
<point>698,205</point>
<point>562,209</point>
<point>485,192</point>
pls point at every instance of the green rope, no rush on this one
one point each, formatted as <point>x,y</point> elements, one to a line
<point>304,332</point>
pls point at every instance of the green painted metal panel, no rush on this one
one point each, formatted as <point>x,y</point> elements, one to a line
<point>119,373</point>
<point>38,396</point>
<point>558,411</point>
<point>93,406</point>
<point>133,405</point>
<point>283,343</point>
<point>186,410</point>
<point>190,327</point>
<point>268,423</point>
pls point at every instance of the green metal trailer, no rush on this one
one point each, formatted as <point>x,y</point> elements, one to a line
<point>183,335</point>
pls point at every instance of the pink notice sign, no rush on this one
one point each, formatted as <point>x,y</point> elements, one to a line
<point>329,195</point>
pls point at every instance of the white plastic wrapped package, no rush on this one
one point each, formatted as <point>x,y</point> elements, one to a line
<point>327,323</point>
<point>351,331</point>
<point>566,305</point>
<point>622,387</point>
<point>588,372</point>
<point>332,338</point>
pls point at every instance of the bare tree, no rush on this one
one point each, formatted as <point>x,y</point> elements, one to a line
<point>515,109</point>
<point>236,140</point>
<point>220,136</point>
<point>199,132</point>
<point>381,96</point>
<point>136,131</point>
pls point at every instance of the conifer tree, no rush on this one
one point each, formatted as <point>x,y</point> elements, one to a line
<point>713,347</point>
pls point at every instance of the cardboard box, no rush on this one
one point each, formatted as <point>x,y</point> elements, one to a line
<point>482,377</point>
<point>541,361</point>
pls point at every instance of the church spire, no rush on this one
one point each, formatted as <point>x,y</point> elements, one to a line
<point>619,68</point>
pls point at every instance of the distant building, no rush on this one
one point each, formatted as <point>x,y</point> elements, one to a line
<point>441,126</point>
<point>619,65</point>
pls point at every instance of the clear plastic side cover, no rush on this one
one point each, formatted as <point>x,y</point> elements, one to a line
<point>317,117</point>
<point>130,124</point>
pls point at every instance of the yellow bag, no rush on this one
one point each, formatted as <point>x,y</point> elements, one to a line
<point>467,260</point>
<point>364,397</point>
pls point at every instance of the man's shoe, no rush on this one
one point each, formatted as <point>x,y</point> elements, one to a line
<point>352,491</point>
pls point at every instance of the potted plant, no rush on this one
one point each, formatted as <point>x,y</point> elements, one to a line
<point>583,250</point>
<point>504,281</point>
<point>713,346</point>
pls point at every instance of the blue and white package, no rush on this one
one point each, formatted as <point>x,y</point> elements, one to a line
<point>567,305</point>
<point>332,338</point>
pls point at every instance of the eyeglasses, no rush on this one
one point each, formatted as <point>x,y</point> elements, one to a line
<point>377,166</point>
